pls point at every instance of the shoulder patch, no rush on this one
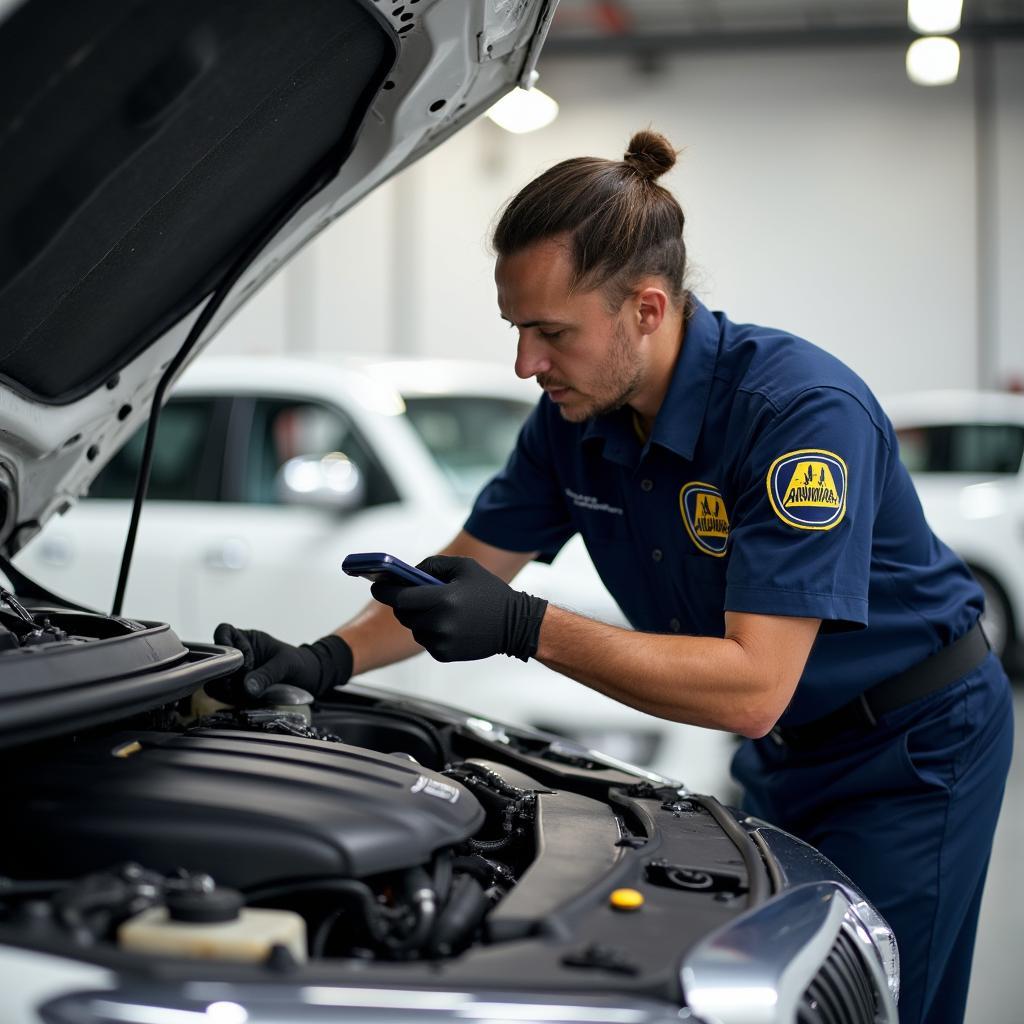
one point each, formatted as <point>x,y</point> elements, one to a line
<point>705,518</point>
<point>807,488</point>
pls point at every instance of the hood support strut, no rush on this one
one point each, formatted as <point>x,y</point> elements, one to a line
<point>319,177</point>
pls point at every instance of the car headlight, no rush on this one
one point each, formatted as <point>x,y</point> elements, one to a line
<point>884,942</point>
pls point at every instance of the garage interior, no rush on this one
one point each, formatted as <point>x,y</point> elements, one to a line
<point>825,191</point>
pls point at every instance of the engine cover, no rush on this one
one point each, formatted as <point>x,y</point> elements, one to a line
<point>247,808</point>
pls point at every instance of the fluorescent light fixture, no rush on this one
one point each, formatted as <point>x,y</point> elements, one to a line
<point>933,60</point>
<point>524,110</point>
<point>934,17</point>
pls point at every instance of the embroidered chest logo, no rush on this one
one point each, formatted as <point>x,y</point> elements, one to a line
<point>807,489</point>
<point>705,517</point>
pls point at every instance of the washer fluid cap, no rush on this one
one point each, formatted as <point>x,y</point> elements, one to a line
<point>204,907</point>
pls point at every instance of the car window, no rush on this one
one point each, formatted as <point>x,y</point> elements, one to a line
<point>962,448</point>
<point>469,436</point>
<point>284,429</point>
<point>186,457</point>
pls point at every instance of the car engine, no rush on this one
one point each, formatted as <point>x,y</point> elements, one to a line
<point>148,822</point>
<point>381,856</point>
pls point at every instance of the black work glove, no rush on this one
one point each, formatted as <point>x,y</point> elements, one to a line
<point>314,667</point>
<point>472,616</point>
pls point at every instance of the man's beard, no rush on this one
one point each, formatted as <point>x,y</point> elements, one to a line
<point>615,382</point>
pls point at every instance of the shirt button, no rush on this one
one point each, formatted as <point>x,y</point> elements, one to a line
<point>656,554</point>
<point>646,485</point>
<point>675,625</point>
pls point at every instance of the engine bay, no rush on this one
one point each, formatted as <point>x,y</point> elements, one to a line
<point>367,831</point>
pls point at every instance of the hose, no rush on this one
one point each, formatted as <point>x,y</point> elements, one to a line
<point>443,871</point>
<point>420,894</point>
<point>460,918</point>
<point>491,778</point>
<point>375,916</point>
<point>323,931</point>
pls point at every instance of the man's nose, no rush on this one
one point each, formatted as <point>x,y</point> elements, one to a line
<point>531,360</point>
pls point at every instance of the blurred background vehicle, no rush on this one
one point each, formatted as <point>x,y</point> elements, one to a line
<point>268,471</point>
<point>965,451</point>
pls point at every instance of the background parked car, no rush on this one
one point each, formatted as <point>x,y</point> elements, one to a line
<point>965,450</point>
<point>267,472</point>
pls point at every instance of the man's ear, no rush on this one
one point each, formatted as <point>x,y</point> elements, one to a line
<point>650,303</point>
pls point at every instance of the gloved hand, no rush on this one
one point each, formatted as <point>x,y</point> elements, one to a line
<point>472,616</point>
<point>314,667</point>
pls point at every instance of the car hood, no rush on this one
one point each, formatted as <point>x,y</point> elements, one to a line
<point>159,156</point>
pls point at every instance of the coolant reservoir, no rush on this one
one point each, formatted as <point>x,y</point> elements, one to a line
<point>212,929</point>
<point>202,704</point>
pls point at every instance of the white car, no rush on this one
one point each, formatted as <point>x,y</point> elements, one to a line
<point>268,471</point>
<point>965,450</point>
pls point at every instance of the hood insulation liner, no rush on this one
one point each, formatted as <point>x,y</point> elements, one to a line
<point>143,145</point>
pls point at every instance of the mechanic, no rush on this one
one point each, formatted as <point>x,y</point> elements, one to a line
<point>740,492</point>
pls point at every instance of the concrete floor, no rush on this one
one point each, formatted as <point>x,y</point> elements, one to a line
<point>995,995</point>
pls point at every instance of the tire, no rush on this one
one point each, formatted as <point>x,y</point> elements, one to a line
<point>997,619</point>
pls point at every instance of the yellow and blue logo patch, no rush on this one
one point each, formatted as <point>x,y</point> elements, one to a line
<point>807,488</point>
<point>705,517</point>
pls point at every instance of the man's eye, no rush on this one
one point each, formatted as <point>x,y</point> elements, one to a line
<point>551,334</point>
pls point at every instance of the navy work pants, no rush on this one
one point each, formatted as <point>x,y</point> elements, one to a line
<point>907,810</point>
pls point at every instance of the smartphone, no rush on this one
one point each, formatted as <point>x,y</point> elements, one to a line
<point>376,565</point>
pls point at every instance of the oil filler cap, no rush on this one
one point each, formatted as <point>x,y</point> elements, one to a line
<point>626,899</point>
<point>213,907</point>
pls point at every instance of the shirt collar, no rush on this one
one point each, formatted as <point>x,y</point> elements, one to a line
<point>681,416</point>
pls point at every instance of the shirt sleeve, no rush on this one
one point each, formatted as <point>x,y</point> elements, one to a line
<point>524,508</point>
<point>804,512</point>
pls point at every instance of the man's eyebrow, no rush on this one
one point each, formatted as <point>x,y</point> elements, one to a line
<point>536,323</point>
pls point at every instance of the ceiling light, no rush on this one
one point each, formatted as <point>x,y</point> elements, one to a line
<point>934,17</point>
<point>933,60</point>
<point>524,110</point>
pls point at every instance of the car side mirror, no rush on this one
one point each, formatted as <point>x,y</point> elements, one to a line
<point>325,481</point>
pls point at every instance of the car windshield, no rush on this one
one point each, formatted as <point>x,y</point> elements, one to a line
<point>469,436</point>
<point>962,448</point>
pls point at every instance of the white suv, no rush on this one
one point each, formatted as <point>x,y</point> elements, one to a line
<point>245,523</point>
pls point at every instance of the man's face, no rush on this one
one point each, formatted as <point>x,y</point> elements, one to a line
<point>581,354</point>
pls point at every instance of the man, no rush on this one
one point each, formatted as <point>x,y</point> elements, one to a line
<point>740,493</point>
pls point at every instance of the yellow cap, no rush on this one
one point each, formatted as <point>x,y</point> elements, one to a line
<point>626,899</point>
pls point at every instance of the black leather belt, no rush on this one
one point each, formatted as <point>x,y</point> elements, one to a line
<point>934,673</point>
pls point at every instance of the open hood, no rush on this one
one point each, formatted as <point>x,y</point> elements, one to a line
<point>157,154</point>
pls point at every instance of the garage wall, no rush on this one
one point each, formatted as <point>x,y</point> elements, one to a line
<point>824,193</point>
<point>1008,211</point>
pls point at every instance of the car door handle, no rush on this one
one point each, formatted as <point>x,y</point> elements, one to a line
<point>232,554</point>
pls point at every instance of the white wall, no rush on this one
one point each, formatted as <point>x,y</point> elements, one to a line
<point>824,193</point>
<point>1008,135</point>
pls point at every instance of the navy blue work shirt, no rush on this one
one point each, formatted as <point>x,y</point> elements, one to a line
<point>770,483</point>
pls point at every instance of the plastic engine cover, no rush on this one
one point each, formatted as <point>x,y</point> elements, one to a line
<point>247,808</point>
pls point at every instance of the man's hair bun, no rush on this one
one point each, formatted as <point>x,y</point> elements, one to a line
<point>621,225</point>
<point>650,155</point>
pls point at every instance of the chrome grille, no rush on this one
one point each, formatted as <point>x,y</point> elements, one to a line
<point>842,991</point>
